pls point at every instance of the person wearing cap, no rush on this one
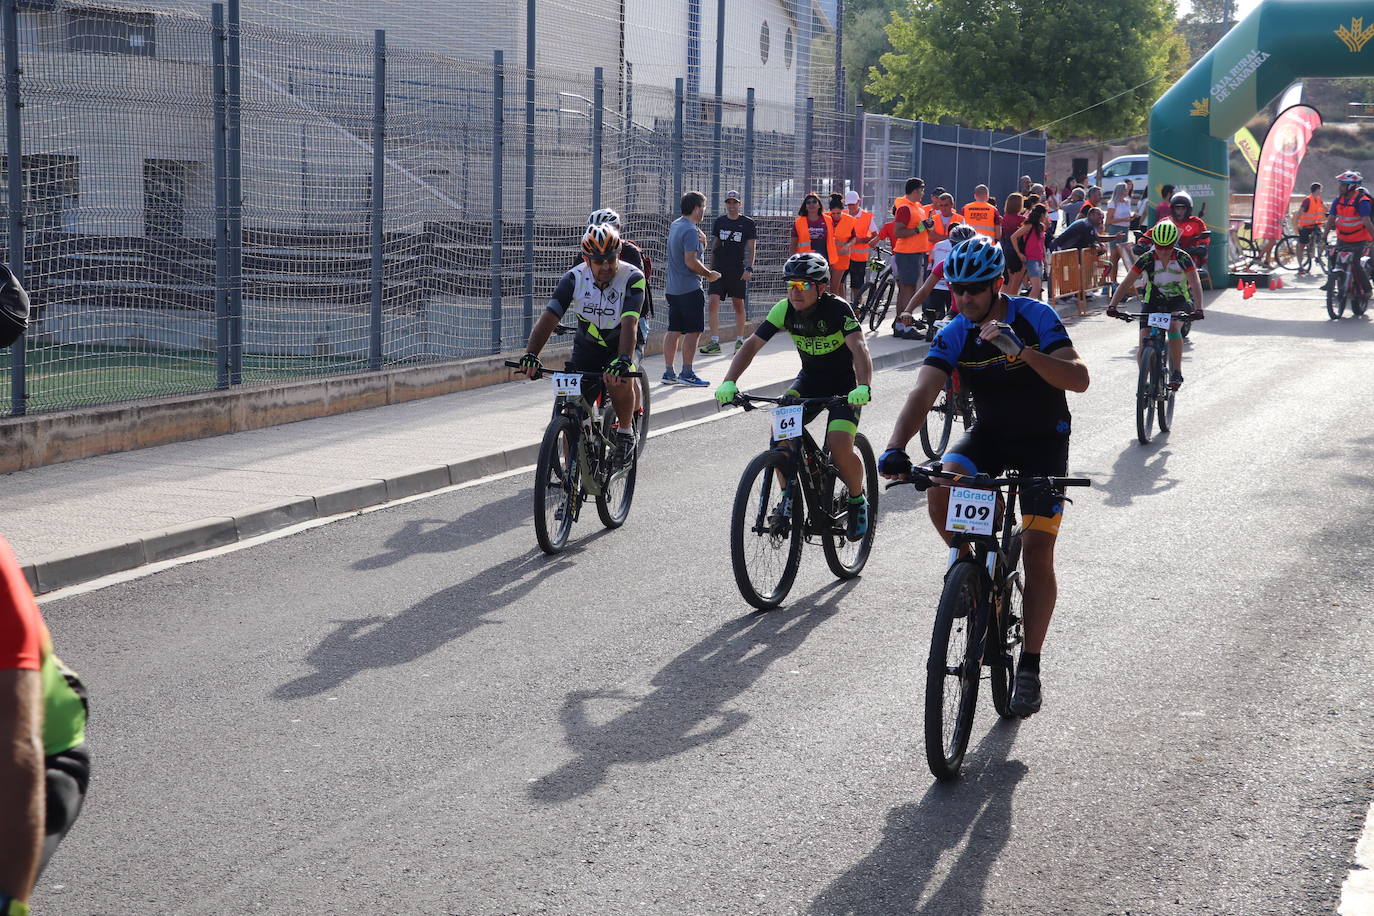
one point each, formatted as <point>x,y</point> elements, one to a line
<point>842,226</point>
<point>863,237</point>
<point>733,239</point>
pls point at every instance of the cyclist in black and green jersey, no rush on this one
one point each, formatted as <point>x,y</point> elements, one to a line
<point>1171,285</point>
<point>835,363</point>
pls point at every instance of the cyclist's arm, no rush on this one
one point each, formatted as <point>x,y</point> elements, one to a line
<point>629,317</point>
<point>863,360</point>
<point>539,334</point>
<point>921,293</point>
<point>1063,368</point>
<point>1127,286</point>
<point>21,780</point>
<point>771,324</point>
<point>930,381</point>
<point>1195,288</point>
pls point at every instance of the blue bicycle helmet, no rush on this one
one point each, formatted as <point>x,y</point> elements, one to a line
<point>975,261</point>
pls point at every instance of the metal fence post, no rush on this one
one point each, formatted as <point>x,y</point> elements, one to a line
<point>720,106</point>
<point>374,359</point>
<point>677,146</point>
<point>749,150</point>
<point>498,159</point>
<point>221,166</point>
<point>529,164</point>
<point>234,173</point>
<point>918,142</point>
<point>598,132</point>
<point>856,165</point>
<point>14,168</point>
<point>810,136</point>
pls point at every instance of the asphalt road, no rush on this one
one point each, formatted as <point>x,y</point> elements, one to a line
<point>415,711</point>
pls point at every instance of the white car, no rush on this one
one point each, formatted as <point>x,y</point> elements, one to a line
<point>1136,168</point>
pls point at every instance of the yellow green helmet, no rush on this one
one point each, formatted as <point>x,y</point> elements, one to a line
<point>1165,233</point>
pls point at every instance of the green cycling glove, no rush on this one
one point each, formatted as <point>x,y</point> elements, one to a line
<point>860,396</point>
<point>726,393</point>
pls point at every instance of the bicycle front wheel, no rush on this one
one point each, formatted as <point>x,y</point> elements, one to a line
<point>1004,651</point>
<point>766,530</point>
<point>952,671</point>
<point>556,484</point>
<point>846,558</point>
<point>1164,404</point>
<point>613,502</point>
<point>1145,396</point>
<point>939,421</point>
<point>1336,294</point>
<point>642,433</point>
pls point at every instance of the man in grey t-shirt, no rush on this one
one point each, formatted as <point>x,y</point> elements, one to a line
<point>686,299</point>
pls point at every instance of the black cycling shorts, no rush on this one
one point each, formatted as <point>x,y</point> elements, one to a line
<point>1162,304</point>
<point>67,776</point>
<point>984,452</point>
<point>843,418</point>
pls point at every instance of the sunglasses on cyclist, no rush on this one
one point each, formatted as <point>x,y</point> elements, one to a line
<point>601,258</point>
<point>969,289</point>
<point>800,284</point>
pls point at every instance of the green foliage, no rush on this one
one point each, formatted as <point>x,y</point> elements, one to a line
<point>865,42</point>
<point>1025,63</point>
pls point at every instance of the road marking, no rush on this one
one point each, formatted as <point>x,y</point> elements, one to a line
<point>1357,895</point>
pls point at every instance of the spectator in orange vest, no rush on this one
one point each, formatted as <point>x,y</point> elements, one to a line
<point>981,213</point>
<point>842,228</point>
<point>911,242</point>
<point>811,230</point>
<point>1311,216</point>
<point>945,216</point>
<point>863,237</point>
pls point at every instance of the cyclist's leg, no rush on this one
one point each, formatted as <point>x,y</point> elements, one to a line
<point>839,437</point>
<point>67,777</point>
<point>1041,513</point>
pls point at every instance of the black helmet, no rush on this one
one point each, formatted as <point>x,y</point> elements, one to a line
<point>807,265</point>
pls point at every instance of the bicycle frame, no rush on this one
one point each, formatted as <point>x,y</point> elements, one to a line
<point>812,470</point>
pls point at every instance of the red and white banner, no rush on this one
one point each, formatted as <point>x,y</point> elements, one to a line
<point>1284,147</point>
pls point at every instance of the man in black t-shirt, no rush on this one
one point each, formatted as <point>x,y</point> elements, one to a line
<point>732,253</point>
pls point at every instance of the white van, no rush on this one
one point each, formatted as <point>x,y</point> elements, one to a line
<point>1136,168</point>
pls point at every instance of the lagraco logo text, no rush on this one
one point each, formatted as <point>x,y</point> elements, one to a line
<point>1238,75</point>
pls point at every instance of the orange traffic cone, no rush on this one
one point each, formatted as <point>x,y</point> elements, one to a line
<point>1240,286</point>
<point>1249,291</point>
<point>1273,281</point>
<point>1278,282</point>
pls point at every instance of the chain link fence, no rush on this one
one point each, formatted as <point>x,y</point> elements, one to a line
<point>206,203</point>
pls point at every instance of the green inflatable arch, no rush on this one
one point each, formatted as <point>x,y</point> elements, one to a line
<point>1278,42</point>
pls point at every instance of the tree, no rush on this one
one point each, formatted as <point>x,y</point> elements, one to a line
<point>1022,63</point>
<point>865,42</point>
<point>1204,25</point>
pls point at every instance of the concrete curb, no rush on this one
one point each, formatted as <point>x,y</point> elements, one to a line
<point>50,573</point>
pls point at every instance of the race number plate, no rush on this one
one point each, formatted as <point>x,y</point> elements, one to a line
<point>1160,320</point>
<point>970,511</point>
<point>787,423</point>
<point>567,383</point>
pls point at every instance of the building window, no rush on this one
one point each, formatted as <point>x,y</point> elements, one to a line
<point>102,31</point>
<point>787,49</point>
<point>763,42</point>
<point>52,191</point>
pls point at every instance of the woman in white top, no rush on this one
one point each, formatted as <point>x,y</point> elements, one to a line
<point>1119,211</point>
<point>1050,198</point>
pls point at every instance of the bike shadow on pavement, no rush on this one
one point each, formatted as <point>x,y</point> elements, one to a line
<point>937,854</point>
<point>684,710</point>
<point>1140,470</point>
<point>443,535</point>
<point>372,642</point>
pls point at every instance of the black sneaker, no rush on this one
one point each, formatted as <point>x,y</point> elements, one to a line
<point>1025,698</point>
<point>1175,380</point>
<point>856,521</point>
<point>624,449</point>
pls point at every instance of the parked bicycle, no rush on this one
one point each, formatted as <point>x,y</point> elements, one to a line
<point>1340,284</point>
<point>577,460</point>
<point>1154,399</point>
<point>979,621</point>
<point>769,521</point>
<point>953,401</point>
<point>881,289</point>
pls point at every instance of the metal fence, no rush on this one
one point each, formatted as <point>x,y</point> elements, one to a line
<point>197,202</point>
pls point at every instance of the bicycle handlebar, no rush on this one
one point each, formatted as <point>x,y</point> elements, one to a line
<point>746,401</point>
<point>1181,316</point>
<point>984,482</point>
<point>513,364</point>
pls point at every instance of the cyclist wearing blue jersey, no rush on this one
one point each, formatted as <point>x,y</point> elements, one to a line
<point>1017,361</point>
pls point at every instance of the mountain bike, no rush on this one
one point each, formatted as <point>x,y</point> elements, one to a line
<point>952,401</point>
<point>644,388</point>
<point>1154,399</point>
<point>881,289</point>
<point>576,460</point>
<point>1339,284</point>
<point>979,620</point>
<point>769,523</point>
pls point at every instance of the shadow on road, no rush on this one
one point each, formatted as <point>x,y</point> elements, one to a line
<point>383,642</point>
<point>438,535</point>
<point>1139,471</point>
<point>907,872</point>
<point>1320,325</point>
<point>684,710</point>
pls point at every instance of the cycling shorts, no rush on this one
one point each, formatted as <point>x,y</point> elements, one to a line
<point>985,452</point>
<point>1162,304</point>
<point>67,777</point>
<point>844,418</point>
<point>588,357</point>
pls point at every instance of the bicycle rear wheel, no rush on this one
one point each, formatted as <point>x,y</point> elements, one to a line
<point>939,421</point>
<point>846,558</point>
<point>556,485</point>
<point>1145,396</point>
<point>1286,253</point>
<point>613,502</point>
<point>952,671</point>
<point>765,535</point>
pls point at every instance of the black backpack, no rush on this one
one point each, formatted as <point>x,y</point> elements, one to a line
<point>14,308</point>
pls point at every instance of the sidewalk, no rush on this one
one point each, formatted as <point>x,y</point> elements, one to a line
<point>77,521</point>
